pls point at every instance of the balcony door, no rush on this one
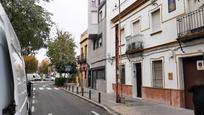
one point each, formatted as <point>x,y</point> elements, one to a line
<point>194,4</point>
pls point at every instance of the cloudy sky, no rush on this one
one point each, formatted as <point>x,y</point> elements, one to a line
<point>69,15</point>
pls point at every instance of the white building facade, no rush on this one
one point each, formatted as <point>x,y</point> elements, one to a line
<point>162,49</point>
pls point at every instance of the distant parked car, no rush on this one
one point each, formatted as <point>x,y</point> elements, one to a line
<point>47,78</point>
<point>53,78</point>
<point>36,77</point>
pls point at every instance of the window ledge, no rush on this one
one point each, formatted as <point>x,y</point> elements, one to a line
<point>156,32</point>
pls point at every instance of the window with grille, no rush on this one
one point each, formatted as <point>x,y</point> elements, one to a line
<point>122,74</point>
<point>156,21</point>
<point>157,72</point>
<point>101,74</point>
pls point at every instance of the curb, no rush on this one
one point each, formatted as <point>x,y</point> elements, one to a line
<point>111,111</point>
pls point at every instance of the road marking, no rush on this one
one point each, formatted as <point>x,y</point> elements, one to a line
<point>94,113</point>
<point>41,88</point>
<point>33,96</point>
<point>56,88</point>
<point>49,113</point>
<point>33,102</point>
<point>34,88</point>
<point>32,109</point>
<point>48,88</point>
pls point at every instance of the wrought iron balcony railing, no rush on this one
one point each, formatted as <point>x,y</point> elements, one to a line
<point>191,25</point>
<point>82,60</point>
<point>134,44</point>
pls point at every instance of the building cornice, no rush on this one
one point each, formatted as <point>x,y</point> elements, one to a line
<point>129,10</point>
<point>83,40</point>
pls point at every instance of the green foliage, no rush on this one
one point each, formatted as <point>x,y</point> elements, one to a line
<point>71,79</point>
<point>43,69</point>
<point>61,51</point>
<point>31,64</point>
<point>31,22</point>
<point>60,81</point>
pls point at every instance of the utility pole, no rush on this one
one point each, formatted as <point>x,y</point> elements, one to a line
<point>117,57</point>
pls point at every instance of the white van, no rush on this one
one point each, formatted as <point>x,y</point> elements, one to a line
<point>13,89</point>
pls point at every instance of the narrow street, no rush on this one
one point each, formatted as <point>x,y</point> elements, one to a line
<point>49,100</point>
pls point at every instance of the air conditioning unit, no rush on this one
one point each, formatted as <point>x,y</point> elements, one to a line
<point>200,65</point>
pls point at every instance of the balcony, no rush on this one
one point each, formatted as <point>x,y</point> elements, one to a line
<point>191,25</point>
<point>82,60</point>
<point>134,44</point>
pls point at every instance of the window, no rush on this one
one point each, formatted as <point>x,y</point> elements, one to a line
<point>97,43</point>
<point>100,42</point>
<point>136,27</point>
<point>156,21</point>
<point>102,13</point>
<point>101,74</point>
<point>157,73</point>
<point>94,19</point>
<point>122,74</point>
<point>86,51</point>
<point>122,33</point>
<point>82,53</point>
<point>100,1</point>
<point>172,5</point>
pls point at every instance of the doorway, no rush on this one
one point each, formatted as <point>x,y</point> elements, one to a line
<point>138,77</point>
<point>192,76</point>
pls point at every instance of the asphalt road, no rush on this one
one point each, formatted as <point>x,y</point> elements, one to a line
<point>49,100</point>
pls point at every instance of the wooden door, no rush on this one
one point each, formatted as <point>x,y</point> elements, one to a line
<point>191,77</point>
<point>139,79</point>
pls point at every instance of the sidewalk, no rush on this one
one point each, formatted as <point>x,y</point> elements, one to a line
<point>133,106</point>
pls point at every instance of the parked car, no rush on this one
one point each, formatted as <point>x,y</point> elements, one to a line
<point>13,82</point>
<point>36,77</point>
<point>47,79</point>
<point>53,78</point>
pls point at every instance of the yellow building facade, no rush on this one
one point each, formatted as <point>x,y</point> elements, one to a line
<point>83,80</point>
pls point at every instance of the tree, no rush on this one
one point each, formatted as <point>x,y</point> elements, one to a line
<point>61,51</point>
<point>31,22</point>
<point>31,64</point>
<point>43,68</point>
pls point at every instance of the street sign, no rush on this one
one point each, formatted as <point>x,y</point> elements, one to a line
<point>67,68</point>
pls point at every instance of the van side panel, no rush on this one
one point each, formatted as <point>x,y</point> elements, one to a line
<point>6,78</point>
<point>17,66</point>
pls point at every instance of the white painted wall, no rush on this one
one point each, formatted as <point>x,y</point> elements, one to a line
<point>168,34</point>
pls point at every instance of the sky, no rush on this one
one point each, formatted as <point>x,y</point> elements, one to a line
<point>69,15</point>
